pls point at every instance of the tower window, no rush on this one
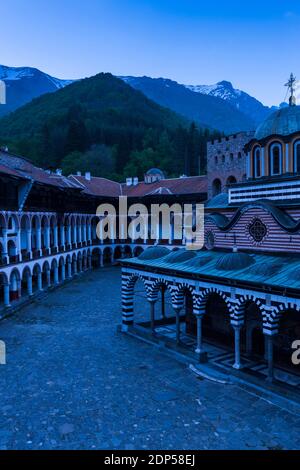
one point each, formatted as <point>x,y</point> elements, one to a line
<point>257,162</point>
<point>297,157</point>
<point>275,159</point>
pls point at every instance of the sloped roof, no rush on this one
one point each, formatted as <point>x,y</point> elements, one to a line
<point>10,171</point>
<point>186,185</point>
<point>97,186</point>
<point>104,187</point>
<point>16,165</point>
<point>283,271</point>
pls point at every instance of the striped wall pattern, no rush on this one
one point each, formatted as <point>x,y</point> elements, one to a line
<point>276,239</point>
<point>272,307</point>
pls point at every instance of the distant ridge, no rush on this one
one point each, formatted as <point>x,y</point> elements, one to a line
<point>26,83</point>
<point>220,106</point>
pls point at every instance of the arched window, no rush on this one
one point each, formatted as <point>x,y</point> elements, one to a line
<point>275,159</point>
<point>297,156</point>
<point>216,187</point>
<point>230,180</point>
<point>257,163</point>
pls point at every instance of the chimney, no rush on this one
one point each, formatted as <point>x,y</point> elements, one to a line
<point>58,172</point>
<point>135,181</point>
<point>88,176</point>
<point>78,173</point>
<point>128,181</point>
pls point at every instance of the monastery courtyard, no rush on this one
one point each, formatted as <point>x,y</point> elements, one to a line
<point>72,381</point>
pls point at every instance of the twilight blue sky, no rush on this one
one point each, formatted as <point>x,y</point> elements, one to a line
<point>255,44</point>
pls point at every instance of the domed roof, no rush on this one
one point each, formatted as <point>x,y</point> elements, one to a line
<point>180,256</point>
<point>154,252</point>
<point>199,261</point>
<point>265,269</point>
<point>234,261</point>
<point>155,171</point>
<point>284,121</point>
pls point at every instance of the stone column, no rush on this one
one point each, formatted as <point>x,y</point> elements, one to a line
<point>177,313</point>
<point>5,252</point>
<point>18,253</point>
<point>6,295</point>
<point>63,273</point>
<point>75,235</point>
<point>69,236</point>
<point>62,237</point>
<point>29,285</point>
<point>39,281</point>
<point>152,316</point>
<point>237,347</point>
<point>28,242</point>
<point>69,270</point>
<point>89,231</point>
<point>75,267</point>
<point>56,275</point>
<point>163,310</point>
<point>79,233</point>
<point>48,278</point>
<point>38,240</point>
<point>199,349</point>
<point>270,360</point>
<point>89,261</point>
<point>47,239</point>
<point>55,237</point>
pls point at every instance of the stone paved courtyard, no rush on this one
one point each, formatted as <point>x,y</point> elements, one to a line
<point>73,382</point>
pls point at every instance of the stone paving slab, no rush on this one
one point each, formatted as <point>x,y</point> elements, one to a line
<point>73,382</point>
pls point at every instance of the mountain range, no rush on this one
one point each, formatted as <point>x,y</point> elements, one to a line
<point>23,84</point>
<point>218,106</point>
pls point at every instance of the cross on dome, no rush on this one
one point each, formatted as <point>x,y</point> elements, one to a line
<point>291,86</point>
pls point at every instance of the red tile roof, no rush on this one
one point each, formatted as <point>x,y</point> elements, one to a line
<point>104,187</point>
<point>10,171</point>
<point>97,186</point>
<point>20,167</point>
<point>184,185</point>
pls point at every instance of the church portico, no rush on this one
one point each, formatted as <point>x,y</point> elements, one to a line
<point>227,312</point>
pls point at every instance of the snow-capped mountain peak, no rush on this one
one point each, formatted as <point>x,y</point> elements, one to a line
<point>19,73</point>
<point>26,83</point>
<point>223,90</point>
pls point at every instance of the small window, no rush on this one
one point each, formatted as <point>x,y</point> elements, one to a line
<point>231,157</point>
<point>257,163</point>
<point>223,158</point>
<point>239,155</point>
<point>297,157</point>
<point>275,159</point>
<point>216,160</point>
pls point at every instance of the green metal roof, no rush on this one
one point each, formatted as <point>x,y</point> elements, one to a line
<point>284,121</point>
<point>270,270</point>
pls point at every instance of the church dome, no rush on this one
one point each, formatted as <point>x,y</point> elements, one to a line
<point>180,256</point>
<point>284,121</point>
<point>234,261</point>
<point>154,252</point>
